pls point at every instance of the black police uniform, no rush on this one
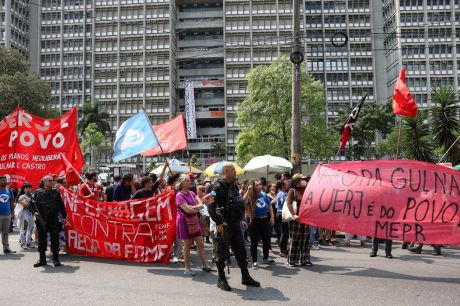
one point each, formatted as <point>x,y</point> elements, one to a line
<point>49,204</point>
<point>228,207</point>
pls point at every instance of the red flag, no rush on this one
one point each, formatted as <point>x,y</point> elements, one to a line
<point>171,135</point>
<point>403,102</point>
<point>71,175</point>
<point>351,120</point>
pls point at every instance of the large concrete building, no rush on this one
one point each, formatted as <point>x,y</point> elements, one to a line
<point>130,55</point>
<point>15,25</point>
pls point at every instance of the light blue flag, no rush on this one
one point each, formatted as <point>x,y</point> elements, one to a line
<point>134,136</point>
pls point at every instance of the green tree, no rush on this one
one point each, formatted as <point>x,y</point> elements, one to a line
<point>194,161</point>
<point>218,149</point>
<point>19,88</point>
<point>91,114</point>
<point>94,144</point>
<point>373,119</point>
<point>265,115</point>
<point>445,122</point>
<point>152,165</point>
<point>416,141</point>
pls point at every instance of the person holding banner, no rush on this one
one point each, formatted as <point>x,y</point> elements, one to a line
<point>146,191</point>
<point>375,247</point>
<point>299,234</point>
<point>124,189</point>
<point>6,207</point>
<point>46,205</point>
<point>90,189</point>
<point>188,224</point>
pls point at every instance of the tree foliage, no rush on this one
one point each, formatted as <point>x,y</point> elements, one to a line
<point>373,119</point>
<point>94,143</point>
<point>19,88</point>
<point>194,161</point>
<point>445,122</point>
<point>416,141</point>
<point>91,114</point>
<point>265,115</point>
<point>218,149</point>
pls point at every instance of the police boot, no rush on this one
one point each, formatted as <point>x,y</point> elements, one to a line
<point>247,279</point>
<point>41,262</point>
<point>222,280</point>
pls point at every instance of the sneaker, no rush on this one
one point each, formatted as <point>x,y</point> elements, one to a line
<point>189,272</point>
<point>315,247</point>
<point>175,259</point>
<point>208,269</point>
<point>30,246</point>
<point>24,247</point>
<point>291,265</point>
<point>268,261</point>
<point>255,265</point>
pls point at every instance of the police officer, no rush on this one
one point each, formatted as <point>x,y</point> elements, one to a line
<point>46,205</point>
<point>228,208</point>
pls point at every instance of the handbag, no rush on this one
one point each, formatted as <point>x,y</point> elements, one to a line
<point>193,224</point>
<point>286,215</point>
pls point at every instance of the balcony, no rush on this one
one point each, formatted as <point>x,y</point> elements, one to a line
<point>203,53</point>
<point>201,14</point>
<point>201,71</point>
<point>209,41</point>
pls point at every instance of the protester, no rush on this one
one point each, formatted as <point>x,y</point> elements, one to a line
<point>282,187</point>
<point>299,234</point>
<point>260,214</point>
<point>46,205</point>
<point>146,191</point>
<point>417,249</point>
<point>228,210</point>
<point>124,189</point>
<point>90,188</point>
<point>188,224</point>
<point>6,208</point>
<point>108,194</point>
<point>271,193</point>
<point>26,218</point>
<point>375,247</point>
<point>349,236</point>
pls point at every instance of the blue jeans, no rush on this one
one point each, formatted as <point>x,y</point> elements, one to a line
<point>314,233</point>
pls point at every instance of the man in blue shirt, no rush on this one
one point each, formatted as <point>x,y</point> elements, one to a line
<point>6,207</point>
<point>282,187</point>
<point>124,189</point>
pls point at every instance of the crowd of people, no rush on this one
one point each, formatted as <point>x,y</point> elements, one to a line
<point>226,213</point>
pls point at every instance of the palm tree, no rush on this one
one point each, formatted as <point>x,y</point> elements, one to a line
<point>416,139</point>
<point>91,114</point>
<point>445,121</point>
<point>218,149</point>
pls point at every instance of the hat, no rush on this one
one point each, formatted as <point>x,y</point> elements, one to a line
<point>299,176</point>
<point>192,176</point>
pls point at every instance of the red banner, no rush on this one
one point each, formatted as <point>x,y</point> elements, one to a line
<point>171,135</point>
<point>31,146</point>
<point>139,230</point>
<point>396,199</point>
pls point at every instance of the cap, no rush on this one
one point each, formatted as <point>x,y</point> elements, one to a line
<point>298,176</point>
<point>192,176</point>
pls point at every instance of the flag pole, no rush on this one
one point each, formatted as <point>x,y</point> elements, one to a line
<point>399,137</point>
<point>159,143</point>
<point>448,150</point>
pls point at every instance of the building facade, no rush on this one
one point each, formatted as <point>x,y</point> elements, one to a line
<point>424,37</point>
<point>15,19</point>
<point>130,55</point>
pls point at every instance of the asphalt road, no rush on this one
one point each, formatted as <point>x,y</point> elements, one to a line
<point>340,276</point>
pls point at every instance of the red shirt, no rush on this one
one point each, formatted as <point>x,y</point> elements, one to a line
<point>86,189</point>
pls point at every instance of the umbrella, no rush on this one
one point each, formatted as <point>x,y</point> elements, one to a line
<point>216,169</point>
<point>268,164</point>
<point>457,167</point>
<point>176,166</point>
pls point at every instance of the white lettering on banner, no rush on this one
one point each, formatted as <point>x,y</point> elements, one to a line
<point>190,110</point>
<point>28,139</point>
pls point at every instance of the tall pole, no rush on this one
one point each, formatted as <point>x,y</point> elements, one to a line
<point>296,58</point>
